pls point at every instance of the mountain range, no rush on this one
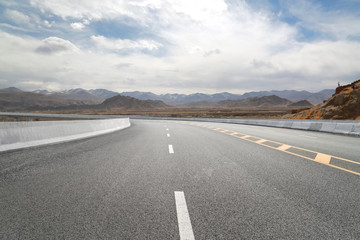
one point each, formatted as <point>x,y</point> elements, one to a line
<point>93,96</point>
<point>178,99</point>
<point>13,99</point>
<point>251,102</point>
<point>96,96</point>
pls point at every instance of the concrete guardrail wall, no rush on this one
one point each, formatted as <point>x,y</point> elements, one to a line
<point>343,127</point>
<point>15,135</point>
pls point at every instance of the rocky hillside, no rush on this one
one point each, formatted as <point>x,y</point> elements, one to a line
<point>265,101</point>
<point>129,103</point>
<point>343,105</point>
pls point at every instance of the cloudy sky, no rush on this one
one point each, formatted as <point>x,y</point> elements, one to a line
<point>179,46</point>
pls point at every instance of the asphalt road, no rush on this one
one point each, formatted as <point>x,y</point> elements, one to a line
<point>164,179</point>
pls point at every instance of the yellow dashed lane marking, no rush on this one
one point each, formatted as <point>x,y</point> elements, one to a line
<point>244,137</point>
<point>323,158</point>
<point>233,133</point>
<point>225,131</point>
<point>283,147</point>
<point>320,157</point>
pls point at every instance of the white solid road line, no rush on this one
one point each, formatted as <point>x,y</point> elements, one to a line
<point>185,228</point>
<point>171,149</point>
<point>168,134</point>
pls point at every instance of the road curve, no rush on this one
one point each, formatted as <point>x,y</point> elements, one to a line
<point>184,180</point>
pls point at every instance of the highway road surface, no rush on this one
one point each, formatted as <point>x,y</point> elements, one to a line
<point>184,180</point>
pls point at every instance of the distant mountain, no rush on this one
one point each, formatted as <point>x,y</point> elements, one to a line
<point>173,98</point>
<point>141,95</point>
<point>253,102</point>
<point>224,96</point>
<point>97,96</point>
<point>11,89</point>
<point>294,96</point>
<point>180,99</point>
<point>301,104</point>
<point>20,101</point>
<point>265,101</point>
<point>130,103</point>
<point>78,94</point>
<point>45,92</point>
<point>321,96</point>
<point>93,96</point>
<point>15,101</point>
<point>177,99</point>
<point>199,104</point>
<point>103,93</point>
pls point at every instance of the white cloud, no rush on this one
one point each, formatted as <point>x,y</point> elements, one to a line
<point>80,9</point>
<point>122,65</point>
<point>212,52</point>
<point>124,44</point>
<point>55,45</point>
<point>200,10</point>
<point>205,46</point>
<point>86,22</point>
<point>339,24</point>
<point>313,66</point>
<point>9,26</point>
<point>48,24</point>
<point>322,60</point>
<point>77,25</point>
<point>16,16</point>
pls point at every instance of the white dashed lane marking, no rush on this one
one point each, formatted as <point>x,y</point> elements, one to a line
<point>171,149</point>
<point>185,228</point>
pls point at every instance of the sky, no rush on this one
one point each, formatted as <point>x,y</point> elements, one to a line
<point>179,46</point>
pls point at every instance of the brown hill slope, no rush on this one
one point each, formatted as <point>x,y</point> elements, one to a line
<point>15,101</point>
<point>129,103</point>
<point>302,103</point>
<point>265,101</point>
<point>343,105</point>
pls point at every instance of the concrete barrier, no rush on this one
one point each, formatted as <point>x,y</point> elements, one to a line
<point>356,130</point>
<point>343,127</point>
<point>314,126</point>
<point>328,127</point>
<point>15,135</point>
